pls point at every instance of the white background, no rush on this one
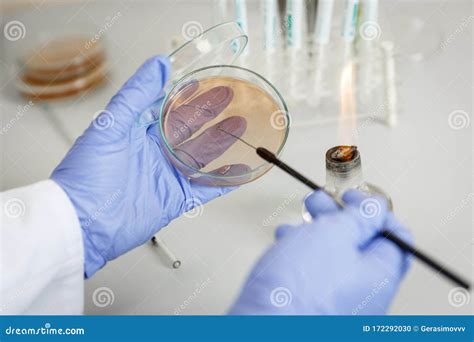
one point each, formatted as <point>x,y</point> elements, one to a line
<point>424,163</point>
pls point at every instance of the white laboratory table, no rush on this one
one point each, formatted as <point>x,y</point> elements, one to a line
<point>424,163</point>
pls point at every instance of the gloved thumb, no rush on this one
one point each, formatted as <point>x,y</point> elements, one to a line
<point>319,203</point>
<point>369,212</point>
<point>137,94</point>
<point>283,230</point>
<point>381,251</point>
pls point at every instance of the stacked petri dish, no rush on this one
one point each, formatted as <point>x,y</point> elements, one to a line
<point>61,68</point>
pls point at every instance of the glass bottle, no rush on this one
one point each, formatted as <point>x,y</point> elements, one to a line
<point>346,173</point>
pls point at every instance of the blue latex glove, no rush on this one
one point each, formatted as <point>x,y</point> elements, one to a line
<point>334,265</point>
<point>120,182</point>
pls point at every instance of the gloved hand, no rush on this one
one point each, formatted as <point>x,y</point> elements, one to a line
<point>121,184</point>
<point>335,265</point>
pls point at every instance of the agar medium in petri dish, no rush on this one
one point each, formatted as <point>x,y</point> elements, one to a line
<point>212,110</point>
<point>208,111</point>
<point>61,68</point>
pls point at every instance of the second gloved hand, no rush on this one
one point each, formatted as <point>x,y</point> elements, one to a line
<point>337,264</point>
<point>119,180</point>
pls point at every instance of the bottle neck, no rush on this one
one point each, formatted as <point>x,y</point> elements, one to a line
<point>337,182</point>
<point>343,173</point>
<point>343,169</point>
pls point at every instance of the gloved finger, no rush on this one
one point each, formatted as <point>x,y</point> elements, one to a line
<point>369,212</point>
<point>211,143</point>
<point>283,231</point>
<point>354,197</point>
<point>386,252</point>
<point>190,116</point>
<point>393,225</point>
<point>371,207</point>
<point>185,92</point>
<point>319,203</point>
<point>392,253</point>
<point>231,170</point>
<point>139,92</point>
<point>152,113</point>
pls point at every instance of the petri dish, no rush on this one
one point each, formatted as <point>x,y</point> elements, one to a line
<point>219,45</point>
<point>209,118</point>
<point>63,58</point>
<point>209,104</point>
<point>62,67</point>
<point>60,89</point>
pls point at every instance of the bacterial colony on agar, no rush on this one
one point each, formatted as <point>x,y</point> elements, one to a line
<point>203,120</point>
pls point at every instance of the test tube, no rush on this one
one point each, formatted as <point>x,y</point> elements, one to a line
<point>240,7</point>
<point>167,254</point>
<point>370,10</point>
<point>296,48</point>
<point>369,29</point>
<point>323,21</point>
<point>369,51</point>
<point>221,11</point>
<point>270,26</point>
<point>322,34</point>
<point>349,28</point>
<point>390,84</point>
<point>271,41</point>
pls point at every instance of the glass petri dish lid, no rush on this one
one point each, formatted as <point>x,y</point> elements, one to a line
<point>219,45</point>
<point>211,111</point>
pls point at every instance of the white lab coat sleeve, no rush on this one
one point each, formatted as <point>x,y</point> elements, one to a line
<point>42,258</point>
